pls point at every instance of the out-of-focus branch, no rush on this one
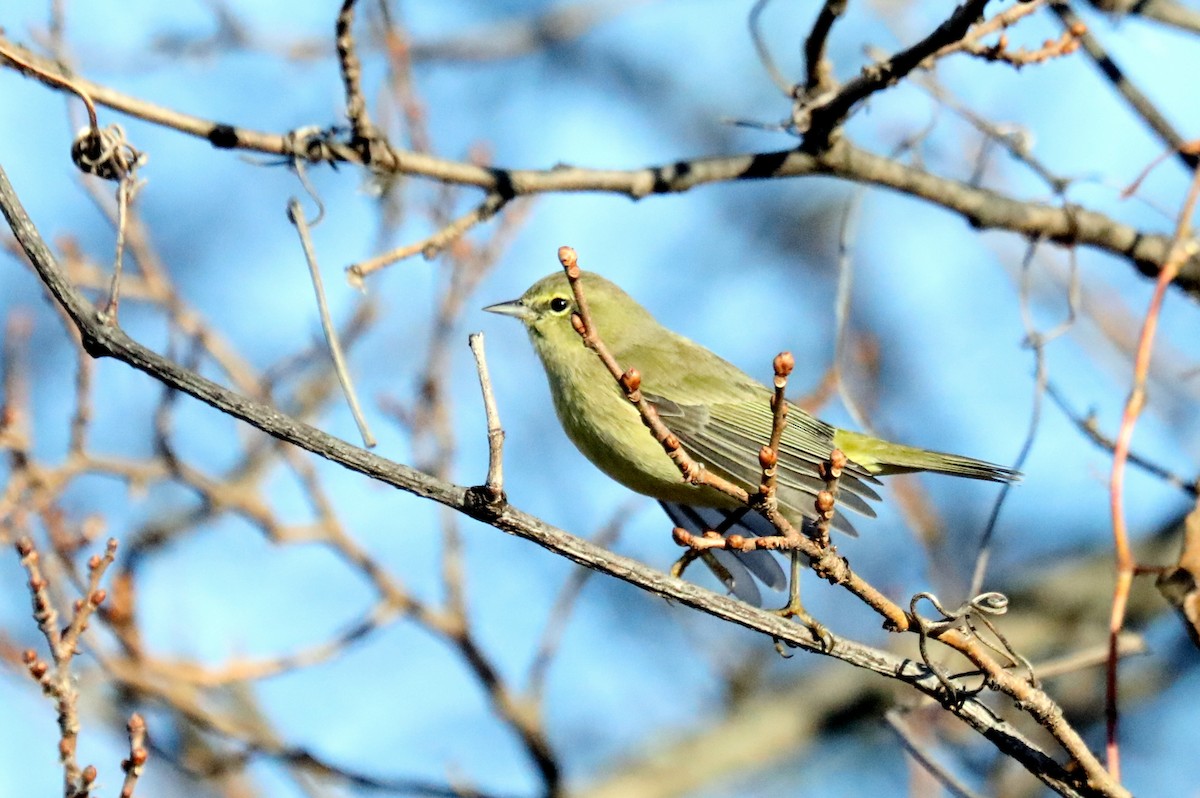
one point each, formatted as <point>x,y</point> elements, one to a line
<point>819,72</point>
<point>1137,100</point>
<point>1168,12</point>
<point>1179,584</point>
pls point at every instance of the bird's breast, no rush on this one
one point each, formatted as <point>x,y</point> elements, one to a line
<point>607,428</point>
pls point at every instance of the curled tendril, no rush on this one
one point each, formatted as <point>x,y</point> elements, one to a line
<point>105,153</point>
<point>965,617</point>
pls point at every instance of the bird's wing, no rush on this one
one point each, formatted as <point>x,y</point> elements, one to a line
<point>723,417</point>
<point>727,436</point>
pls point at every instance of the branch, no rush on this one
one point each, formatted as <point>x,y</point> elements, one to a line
<point>1184,247</point>
<point>1168,12</point>
<point>823,120</point>
<point>819,72</point>
<point>981,207</point>
<point>108,340</point>
<point>1139,102</point>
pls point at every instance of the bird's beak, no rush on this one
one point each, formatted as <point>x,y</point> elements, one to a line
<point>515,308</point>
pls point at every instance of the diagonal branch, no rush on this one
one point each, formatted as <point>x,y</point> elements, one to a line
<point>102,339</point>
<point>1138,101</point>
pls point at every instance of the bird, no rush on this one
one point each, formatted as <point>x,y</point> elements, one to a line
<point>720,415</point>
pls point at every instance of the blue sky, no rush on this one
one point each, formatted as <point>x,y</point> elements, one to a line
<point>747,270</point>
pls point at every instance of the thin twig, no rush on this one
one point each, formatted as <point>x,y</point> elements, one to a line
<point>296,217</point>
<point>495,432</point>
<point>631,381</point>
<point>125,191</point>
<point>1036,341</point>
<point>560,612</point>
<point>819,73</point>
<point>81,416</point>
<point>916,749</point>
<point>431,245</point>
<point>764,53</point>
<point>841,307</point>
<point>823,120</point>
<point>826,500</point>
<point>768,456</point>
<point>1001,21</point>
<point>56,679</point>
<point>54,78</point>
<point>1128,645</point>
<point>136,763</point>
<point>1184,246</point>
<point>351,68</point>
<point>1090,428</point>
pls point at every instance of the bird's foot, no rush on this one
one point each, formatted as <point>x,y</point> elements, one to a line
<point>794,609</point>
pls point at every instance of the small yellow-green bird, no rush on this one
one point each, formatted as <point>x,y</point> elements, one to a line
<point>721,415</point>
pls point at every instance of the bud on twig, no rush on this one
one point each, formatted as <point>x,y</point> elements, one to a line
<point>767,458</point>
<point>784,363</point>
<point>570,261</point>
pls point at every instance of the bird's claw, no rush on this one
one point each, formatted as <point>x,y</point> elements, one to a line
<point>819,631</point>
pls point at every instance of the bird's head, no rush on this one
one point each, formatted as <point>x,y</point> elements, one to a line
<point>547,306</point>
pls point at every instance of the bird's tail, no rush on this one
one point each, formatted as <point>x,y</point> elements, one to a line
<point>883,458</point>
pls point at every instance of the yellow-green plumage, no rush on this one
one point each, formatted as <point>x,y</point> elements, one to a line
<point>721,415</point>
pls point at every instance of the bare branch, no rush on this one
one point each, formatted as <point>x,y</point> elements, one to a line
<point>982,208</point>
<point>1137,100</point>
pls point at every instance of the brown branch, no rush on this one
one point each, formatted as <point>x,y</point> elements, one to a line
<point>631,381</point>
<point>56,678</point>
<point>981,208</point>
<point>51,77</point>
<point>108,340</point>
<point>430,246</point>
<point>768,456</point>
<point>138,755</point>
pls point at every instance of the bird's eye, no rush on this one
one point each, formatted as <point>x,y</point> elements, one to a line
<point>559,304</point>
